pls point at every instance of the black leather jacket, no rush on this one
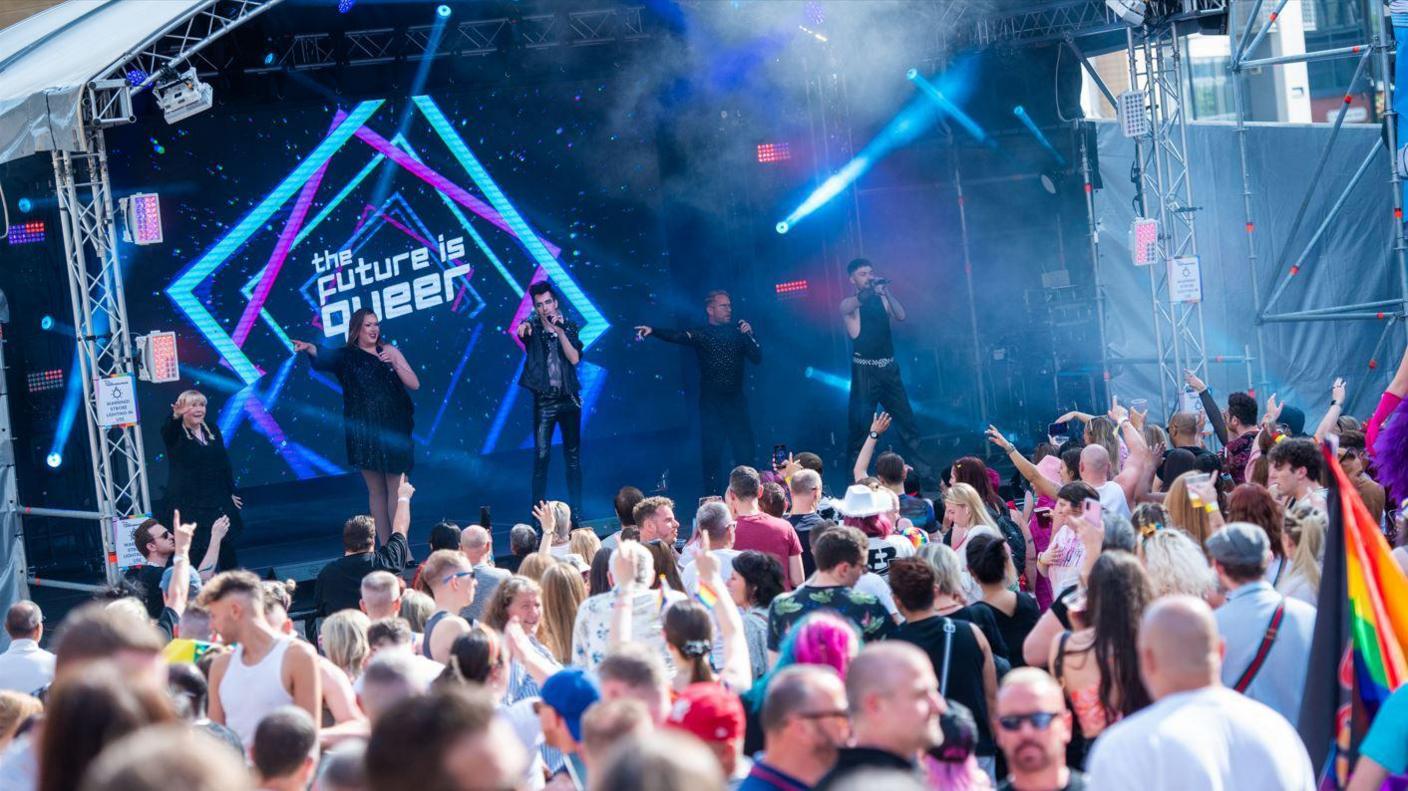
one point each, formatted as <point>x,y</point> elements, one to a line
<point>538,346</point>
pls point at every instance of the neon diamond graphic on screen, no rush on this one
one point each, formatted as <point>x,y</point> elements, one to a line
<point>301,187</point>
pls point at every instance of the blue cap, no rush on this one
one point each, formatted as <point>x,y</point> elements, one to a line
<point>570,693</point>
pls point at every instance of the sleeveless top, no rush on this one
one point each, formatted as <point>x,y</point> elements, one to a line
<point>430,624</point>
<point>249,692</point>
<point>874,341</point>
<point>1085,702</point>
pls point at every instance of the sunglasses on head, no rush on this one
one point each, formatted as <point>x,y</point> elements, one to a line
<point>456,575</point>
<point>1041,720</point>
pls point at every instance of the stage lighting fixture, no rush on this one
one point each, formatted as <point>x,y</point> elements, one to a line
<point>183,96</point>
<point>25,205</point>
<point>54,460</point>
<point>142,213</point>
<point>783,227</point>
<point>136,77</point>
<point>792,288</point>
<point>443,10</point>
<point>159,361</point>
<point>43,381</point>
<point>815,13</point>
<point>774,152</point>
<point>1131,12</point>
<point>268,59</point>
<point>26,233</point>
<point>1051,181</point>
<point>1134,121</point>
<point>1144,241</point>
<point>46,323</point>
<point>343,6</point>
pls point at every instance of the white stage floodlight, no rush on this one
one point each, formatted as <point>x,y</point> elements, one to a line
<point>183,96</point>
<point>157,354</point>
<point>142,215</point>
<point>1134,120</point>
<point>1130,11</point>
<point>1144,241</point>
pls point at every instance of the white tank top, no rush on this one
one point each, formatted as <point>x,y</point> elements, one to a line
<point>249,692</point>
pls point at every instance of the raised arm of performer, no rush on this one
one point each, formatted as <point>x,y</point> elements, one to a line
<point>892,305</point>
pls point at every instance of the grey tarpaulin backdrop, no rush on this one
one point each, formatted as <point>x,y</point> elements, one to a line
<point>1352,263</point>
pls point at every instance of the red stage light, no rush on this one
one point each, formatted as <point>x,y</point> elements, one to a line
<point>40,381</point>
<point>27,233</point>
<point>774,152</point>
<point>791,288</point>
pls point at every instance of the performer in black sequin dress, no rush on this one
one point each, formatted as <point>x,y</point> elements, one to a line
<point>201,483</point>
<point>376,408</point>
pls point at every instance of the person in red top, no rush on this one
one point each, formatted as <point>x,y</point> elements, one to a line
<point>757,530</point>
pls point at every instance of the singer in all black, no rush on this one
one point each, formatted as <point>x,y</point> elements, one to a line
<point>553,350</point>
<point>722,346</point>
<point>377,410</point>
<point>875,376</point>
<point>201,485</point>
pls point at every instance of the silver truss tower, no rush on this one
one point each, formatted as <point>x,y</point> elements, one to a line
<point>1156,67</point>
<point>87,215</point>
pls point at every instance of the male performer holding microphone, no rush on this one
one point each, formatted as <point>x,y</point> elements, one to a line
<point>721,345</point>
<point>875,376</point>
<point>553,350</point>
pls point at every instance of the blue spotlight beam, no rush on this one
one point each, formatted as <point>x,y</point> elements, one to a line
<point>950,109</point>
<point>1021,113</point>
<point>913,120</point>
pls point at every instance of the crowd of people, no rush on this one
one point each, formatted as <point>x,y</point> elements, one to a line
<point>1133,609</point>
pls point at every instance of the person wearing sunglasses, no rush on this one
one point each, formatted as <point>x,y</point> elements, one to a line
<point>1033,729</point>
<point>450,578</point>
<point>806,723</point>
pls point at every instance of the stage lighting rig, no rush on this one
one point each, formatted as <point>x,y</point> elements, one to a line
<point>183,95</point>
<point>1132,12</point>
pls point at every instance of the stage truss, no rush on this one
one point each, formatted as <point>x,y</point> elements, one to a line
<point>88,219</point>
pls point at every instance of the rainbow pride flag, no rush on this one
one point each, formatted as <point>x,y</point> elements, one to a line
<point>1359,654</point>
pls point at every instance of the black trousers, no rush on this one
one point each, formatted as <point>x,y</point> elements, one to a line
<point>204,518</point>
<point>558,410</point>
<point>880,384</point>
<point>724,418</point>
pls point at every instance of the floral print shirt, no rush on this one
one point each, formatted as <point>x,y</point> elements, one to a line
<point>591,634</point>
<point>862,609</point>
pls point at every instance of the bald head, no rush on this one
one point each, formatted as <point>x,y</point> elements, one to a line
<point>1095,461</point>
<point>875,669</point>
<point>475,542</point>
<point>1179,648</point>
<point>1030,683</point>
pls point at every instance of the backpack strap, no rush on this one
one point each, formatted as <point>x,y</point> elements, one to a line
<point>1262,651</point>
<point>949,629</point>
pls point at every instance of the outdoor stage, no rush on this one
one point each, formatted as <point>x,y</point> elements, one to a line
<point>432,161</point>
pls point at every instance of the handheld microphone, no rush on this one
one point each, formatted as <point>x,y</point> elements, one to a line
<point>880,281</point>
<point>740,327</point>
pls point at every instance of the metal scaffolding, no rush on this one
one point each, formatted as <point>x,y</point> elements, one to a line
<point>1156,69</point>
<point>87,215</point>
<point>1389,311</point>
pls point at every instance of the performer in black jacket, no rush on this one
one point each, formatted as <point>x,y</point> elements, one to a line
<point>722,345</point>
<point>201,484</point>
<point>554,349</point>
<point>377,410</point>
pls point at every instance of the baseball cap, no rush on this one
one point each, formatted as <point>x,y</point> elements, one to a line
<point>570,693</point>
<point>1239,544</point>
<point>1294,420</point>
<point>709,712</point>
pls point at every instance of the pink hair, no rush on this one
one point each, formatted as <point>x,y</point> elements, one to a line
<point>825,639</point>
<point>876,526</point>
